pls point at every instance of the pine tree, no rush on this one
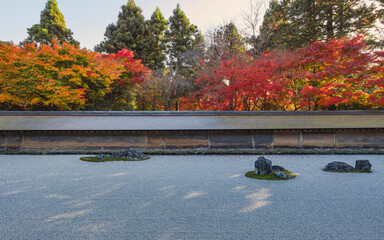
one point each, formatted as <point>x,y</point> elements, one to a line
<point>296,23</point>
<point>182,37</point>
<point>338,18</point>
<point>226,40</point>
<point>157,26</point>
<point>306,20</point>
<point>185,47</point>
<point>275,29</point>
<point>129,33</point>
<point>52,26</point>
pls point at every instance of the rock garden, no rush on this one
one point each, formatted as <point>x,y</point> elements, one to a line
<point>361,166</point>
<point>264,170</point>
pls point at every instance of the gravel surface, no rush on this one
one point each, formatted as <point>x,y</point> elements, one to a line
<point>187,197</point>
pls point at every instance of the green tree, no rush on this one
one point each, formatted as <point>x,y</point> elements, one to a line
<point>275,29</point>
<point>5,42</point>
<point>182,37</point>
<point>52,26</point>
<point>185,48</point>
<point>226,40</point>
<point>130,32</point>
<point>343,17</point>
<point>156,41</point>
<point>325,20</point>
<point>296,23</point>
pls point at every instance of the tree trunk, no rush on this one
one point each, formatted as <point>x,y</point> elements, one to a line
<point>329,26</point>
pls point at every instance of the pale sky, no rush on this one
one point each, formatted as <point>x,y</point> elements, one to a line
<point>88,19</point>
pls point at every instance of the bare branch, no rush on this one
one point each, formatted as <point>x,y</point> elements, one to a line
<point>253,17</point>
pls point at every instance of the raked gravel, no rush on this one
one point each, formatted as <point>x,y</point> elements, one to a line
<point>187,197</point>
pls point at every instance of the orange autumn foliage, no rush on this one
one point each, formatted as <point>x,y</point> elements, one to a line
<point>63,77</point>
<point>342,74</point>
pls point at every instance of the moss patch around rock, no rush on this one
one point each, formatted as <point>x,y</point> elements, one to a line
<point>353,171</point>
<point>111,159</point>
<point>271,176</point>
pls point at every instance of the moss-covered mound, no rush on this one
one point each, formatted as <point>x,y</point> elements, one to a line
<point>271,176</point>
<point>352,171</point>
<point>109,159</point>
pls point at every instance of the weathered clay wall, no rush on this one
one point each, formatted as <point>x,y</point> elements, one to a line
<point>193,132</point>
<point>230,141</point>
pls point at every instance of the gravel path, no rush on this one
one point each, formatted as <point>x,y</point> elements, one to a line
<point>187,197</point>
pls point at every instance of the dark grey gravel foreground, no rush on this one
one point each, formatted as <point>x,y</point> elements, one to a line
<point>187,197</point>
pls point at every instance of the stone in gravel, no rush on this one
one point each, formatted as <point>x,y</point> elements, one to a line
<point>278,168</point>
<point>263,166</point>
<point>281,175</point>
<point>338,166</point>
<point>363,165</point>
<point>132,153</point>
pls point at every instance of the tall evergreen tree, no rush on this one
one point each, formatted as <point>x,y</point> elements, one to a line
<point>306,21</point>
<point>182,37</point>
<point>275,29</point>
<point>338,18</point>
<point>51,26</point>
<point>157,26</point>
<point>185,47</point>
<point>226,40</point>
<point>296,23</point>
<point>351,16</point>
<point>129,32</point>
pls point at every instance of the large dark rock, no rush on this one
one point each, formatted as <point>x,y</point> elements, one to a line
<point>338,166</point>
<point>363,165</point>
<point>129,154</point>
<point>278,168</point>
<point>263,166</point>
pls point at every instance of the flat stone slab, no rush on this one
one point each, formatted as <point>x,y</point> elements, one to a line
<point>187,197</point>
